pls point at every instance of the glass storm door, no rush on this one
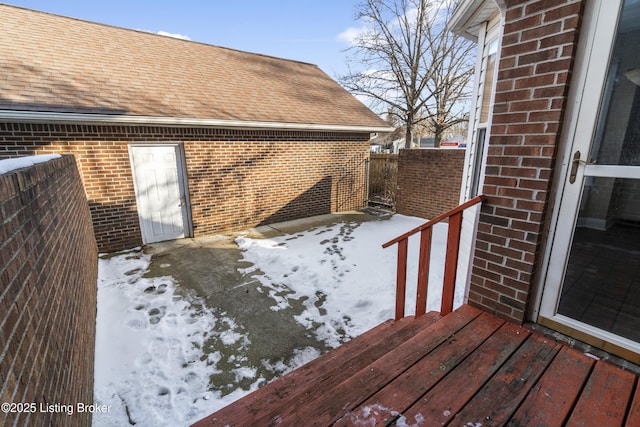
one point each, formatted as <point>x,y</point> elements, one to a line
<point>592,286</point>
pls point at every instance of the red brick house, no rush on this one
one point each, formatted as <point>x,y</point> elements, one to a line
<point>176,138</point>
<point>554,144</point>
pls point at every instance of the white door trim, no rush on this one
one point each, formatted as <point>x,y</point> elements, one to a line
<point>597,39</point>
<point>183,201</point>
<point>568,135</point>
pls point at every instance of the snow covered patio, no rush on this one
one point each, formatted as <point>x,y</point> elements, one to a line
<point>189,326</point>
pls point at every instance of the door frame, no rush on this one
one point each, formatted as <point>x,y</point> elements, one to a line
<point>183,182</point>
<point>601,17</point>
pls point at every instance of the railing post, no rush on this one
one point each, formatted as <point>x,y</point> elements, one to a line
<point>423,272</point>
<point>451,263</point>
<point>451,260</point>
<point>401,278</point>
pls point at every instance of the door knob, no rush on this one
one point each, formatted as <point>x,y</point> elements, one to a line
<point>574,167</point>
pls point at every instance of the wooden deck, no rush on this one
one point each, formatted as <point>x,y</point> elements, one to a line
<point>466,369</point>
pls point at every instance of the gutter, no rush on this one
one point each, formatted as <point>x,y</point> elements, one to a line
<point>13,116</point>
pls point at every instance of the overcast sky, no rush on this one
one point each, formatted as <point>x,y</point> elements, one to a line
<point>305,30</point>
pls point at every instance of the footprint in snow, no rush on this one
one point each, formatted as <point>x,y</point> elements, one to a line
<point>132,272</point>
<point>156,290</point>
<point>136,324</point>
<point>156,314</point>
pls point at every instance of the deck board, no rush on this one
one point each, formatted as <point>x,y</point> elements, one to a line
<point>324,408</point>
<point>551,399</point>
<point>605,397</point>
<point>468,368</point>
<point>499,398</point>
<point>408,387</point>
<point>451,394</point>
<point>329,369</point>
<point>633,419</point>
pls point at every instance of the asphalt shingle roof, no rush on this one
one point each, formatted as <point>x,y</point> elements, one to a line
<point>51,63</point>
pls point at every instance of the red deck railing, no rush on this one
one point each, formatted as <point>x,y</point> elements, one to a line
<point>450,266</point>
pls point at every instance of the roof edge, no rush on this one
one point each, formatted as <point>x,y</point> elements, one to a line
<point>102,119</point>
<point>464,16</point>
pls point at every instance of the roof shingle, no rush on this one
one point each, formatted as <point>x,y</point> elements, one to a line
<point>51,63</point>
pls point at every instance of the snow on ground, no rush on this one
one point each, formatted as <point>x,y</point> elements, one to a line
<point>344,277</point>
<point>150,365</point>
<point>155,343</point>
<point>8,165</point>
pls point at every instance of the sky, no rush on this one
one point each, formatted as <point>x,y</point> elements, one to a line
<point>303,30</point>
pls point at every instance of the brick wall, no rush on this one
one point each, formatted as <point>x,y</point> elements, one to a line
<point>236,178</point>
<point>538,48</point>
<point>239,184</point>
<point>429,181</point>
<point>48,273</point>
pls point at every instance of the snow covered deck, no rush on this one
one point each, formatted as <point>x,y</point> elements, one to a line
<point>466,369</point>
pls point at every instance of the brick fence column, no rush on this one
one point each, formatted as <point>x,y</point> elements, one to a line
<point>538,50</point>
<point>429,181</point>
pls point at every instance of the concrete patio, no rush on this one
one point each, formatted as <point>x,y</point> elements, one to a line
<point>209,266</point>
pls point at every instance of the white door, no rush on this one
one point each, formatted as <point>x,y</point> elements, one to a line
<point>592,283</point>
<point>160,191</point>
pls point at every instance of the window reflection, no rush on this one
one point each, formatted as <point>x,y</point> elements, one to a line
<point>618,139</point>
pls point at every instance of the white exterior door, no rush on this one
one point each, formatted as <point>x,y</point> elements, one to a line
<point>591,288</point>
<point>160,188</point>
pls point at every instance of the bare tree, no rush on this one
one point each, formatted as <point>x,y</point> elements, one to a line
<point>410,63</point>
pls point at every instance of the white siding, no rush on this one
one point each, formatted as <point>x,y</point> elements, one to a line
<point>490,32</point>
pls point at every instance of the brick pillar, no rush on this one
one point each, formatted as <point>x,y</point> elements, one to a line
<point>429,181</point>
<point>538,49</point>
